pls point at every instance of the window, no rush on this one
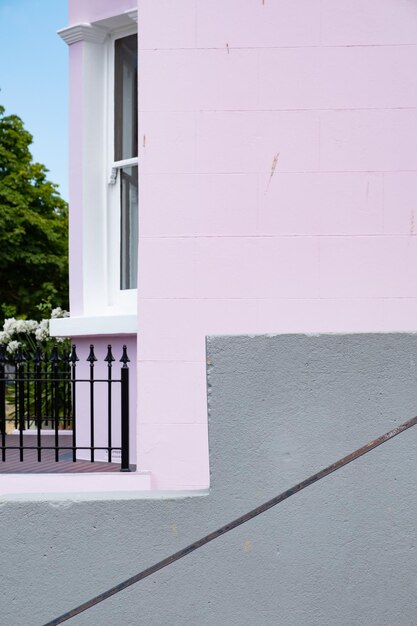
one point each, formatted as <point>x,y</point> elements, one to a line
<point>129,227</point>
<point>126,153</point>
<point>125,150</point>
<point>104,168</point>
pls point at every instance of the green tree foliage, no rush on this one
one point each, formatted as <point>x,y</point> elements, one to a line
<point>33,228</point>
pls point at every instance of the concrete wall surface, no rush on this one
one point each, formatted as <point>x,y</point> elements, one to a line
<point>281,407</point>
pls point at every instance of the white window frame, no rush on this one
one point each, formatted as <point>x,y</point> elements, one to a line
<point>100,219</point>
<point>125,298</point>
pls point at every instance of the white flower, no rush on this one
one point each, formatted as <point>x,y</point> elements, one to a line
<point>26,326</point>
<point>20,326</point>
<point>12,347</point>
<point>31,325</point>
<point>58,312</point>
<point>42,332</point>
<point>4,337</point>
<point>9,326</point>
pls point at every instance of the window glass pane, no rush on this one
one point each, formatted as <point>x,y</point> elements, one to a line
<point>126,98</point>
<point>129,228</point>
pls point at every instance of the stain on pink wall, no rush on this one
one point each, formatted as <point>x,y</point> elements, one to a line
<point>278,179</point>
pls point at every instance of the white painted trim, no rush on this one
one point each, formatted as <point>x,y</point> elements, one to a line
<point>83,32</point>
<point>100,232</point>
<point>132,14</point>
<point>118,165</point>
<point>124,299</point>
<point>97,325</point>
<point>27,486</point>
<point>120,21</point>
<point>125,162</point>
<point>101,289</point>
<point>83,496</point>
<point>96,32</point>
<point>94,227</point>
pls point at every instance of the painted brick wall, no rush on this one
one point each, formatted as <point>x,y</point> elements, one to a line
<point>277,192</point>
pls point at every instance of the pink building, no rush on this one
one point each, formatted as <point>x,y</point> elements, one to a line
<point>262,180</point>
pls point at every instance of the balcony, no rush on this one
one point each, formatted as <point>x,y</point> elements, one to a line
<point>55,418</point>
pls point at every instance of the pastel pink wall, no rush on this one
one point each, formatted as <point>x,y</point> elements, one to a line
<point>93,10</point>
<point>278,190</point>
<point>101,394</point>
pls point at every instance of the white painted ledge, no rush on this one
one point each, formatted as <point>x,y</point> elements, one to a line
<point>27,485</point>
<point>133,15</point>
<point>92,326</point>
<point>83,32</point>
<point>67,498</point>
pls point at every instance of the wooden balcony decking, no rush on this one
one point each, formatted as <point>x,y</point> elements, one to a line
<point>48,465</point>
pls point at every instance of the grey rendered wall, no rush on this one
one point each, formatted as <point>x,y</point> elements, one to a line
<point>343,552</point>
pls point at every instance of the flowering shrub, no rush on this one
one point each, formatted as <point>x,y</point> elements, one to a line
<point>29,333</point>
<point>22,338</point>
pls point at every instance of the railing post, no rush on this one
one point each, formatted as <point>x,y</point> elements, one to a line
<point>109,360</point>
<point>74,358</point>
<point>37,362</point>
<point>28,357</point>
<point>92,359</point>
<point>21,399</point>
<point>3,402</point>
<point>55,398</point>
<point>124,376</point>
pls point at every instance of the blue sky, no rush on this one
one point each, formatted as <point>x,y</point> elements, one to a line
<point>34,78</point>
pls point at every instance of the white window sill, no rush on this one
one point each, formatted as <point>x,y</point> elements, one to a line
<point>97,325</point>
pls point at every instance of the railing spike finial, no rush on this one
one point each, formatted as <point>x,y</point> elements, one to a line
<point>91,357</point>
<point>19,358</point>
<point>3,355</point>
<point>54,355</point>
<point>65,356</point>
<point>109,357</point>
<point>38,356</point>
<point>73,356</point>
<point>125,359</point>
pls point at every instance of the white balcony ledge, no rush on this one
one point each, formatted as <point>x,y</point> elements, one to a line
<point>94,326</point>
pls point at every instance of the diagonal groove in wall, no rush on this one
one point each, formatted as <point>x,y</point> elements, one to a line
<point>353,456</point>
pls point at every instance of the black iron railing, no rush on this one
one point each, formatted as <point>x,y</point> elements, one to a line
<point>39,394</point>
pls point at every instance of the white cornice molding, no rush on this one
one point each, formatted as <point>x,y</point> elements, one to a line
<point>132,14</point>
<point>83,32</point>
